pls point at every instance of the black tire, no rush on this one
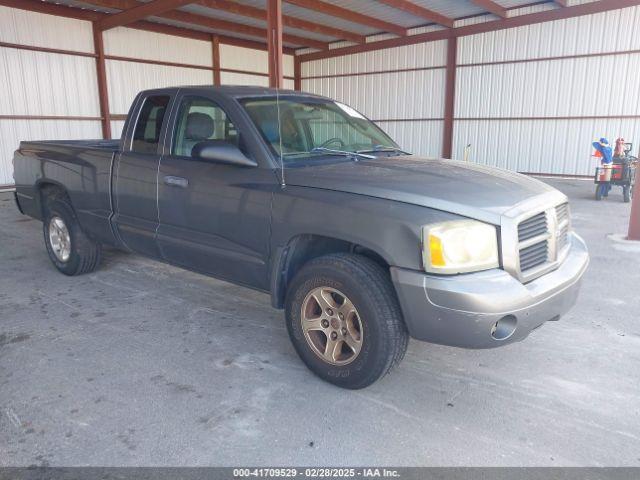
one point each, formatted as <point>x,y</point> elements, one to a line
<point>626,193</point>
<point>85,253</point>
<point>598,192</point>
<point>368,287</point>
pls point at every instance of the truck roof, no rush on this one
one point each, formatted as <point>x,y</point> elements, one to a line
<point>239,91</point>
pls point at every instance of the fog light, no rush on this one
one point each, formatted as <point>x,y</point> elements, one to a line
<point>504,327</point>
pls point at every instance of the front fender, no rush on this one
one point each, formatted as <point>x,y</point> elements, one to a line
<point>389,228</point>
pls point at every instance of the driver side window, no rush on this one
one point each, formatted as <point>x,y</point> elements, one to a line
<point>199,120</point>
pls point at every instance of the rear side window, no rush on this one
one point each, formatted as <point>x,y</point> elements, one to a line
<point>147,133</point>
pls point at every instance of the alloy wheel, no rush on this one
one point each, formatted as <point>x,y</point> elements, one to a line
<point>59,239</point>
<point>332,326</point>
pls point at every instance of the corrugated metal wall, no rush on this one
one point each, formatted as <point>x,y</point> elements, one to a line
<point>126,78</point>
<point>128,42</point>
<point>246,59</point>
<point>400,88</point>
<point>34,83</point>
<point>40,30</point>
<point>516,106</point>
<point>116,128</point>
<point>52,84</point>
<point>531,112</point>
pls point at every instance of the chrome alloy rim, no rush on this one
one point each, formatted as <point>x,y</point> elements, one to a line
<point>332,326</point>
<point>59,239</point>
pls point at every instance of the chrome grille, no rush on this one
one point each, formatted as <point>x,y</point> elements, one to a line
<point>562,212</point>
<point>533,227</point>
<point>536,254</point>
<point>562,217</point>
<point>533,235</point>
<point>563,235</point>
<point>543,241</point>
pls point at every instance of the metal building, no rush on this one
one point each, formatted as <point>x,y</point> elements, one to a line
<point>526,86</point>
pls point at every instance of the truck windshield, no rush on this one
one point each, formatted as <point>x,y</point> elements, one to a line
<point>311,127</point>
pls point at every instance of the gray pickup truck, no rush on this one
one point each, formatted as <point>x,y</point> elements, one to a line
<point>363,245</point>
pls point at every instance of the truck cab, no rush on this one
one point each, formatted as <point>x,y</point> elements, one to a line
<point>208,216</point>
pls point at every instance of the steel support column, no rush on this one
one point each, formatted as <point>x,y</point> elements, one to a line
<point>449,97</point>
<point>634,219</point>
<point>297,74</point>
<point>101,71</point>
<point>274,42</point>
<point>215,53</point>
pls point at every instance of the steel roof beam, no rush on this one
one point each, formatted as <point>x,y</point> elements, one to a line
<point>491,6</point>
<point>349,15</point>
<point>287,20</point>
<point>199,35</point>
<point>52,9</point>
<point>417,10</point>
<point>139,12</point>
<point>212,23</point>
<point>90,15</point>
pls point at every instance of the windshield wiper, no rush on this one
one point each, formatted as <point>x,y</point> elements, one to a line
<point>382,148</point>
<point>344,153</point>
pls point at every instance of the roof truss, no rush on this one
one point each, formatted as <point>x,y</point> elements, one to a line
<point>93,16</point>
<point>287,20</point>
<point>349,15</point>
<point>491,6</point>
<point>140,12</point>
<point>208,22</point>
<point>417,10</point>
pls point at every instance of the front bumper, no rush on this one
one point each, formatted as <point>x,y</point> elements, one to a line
<point>462,310</point>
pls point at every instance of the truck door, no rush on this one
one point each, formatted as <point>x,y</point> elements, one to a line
<point>136,176</point>
<point>214,218</point>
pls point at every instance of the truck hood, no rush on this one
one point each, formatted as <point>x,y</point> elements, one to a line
<point>471,190</point>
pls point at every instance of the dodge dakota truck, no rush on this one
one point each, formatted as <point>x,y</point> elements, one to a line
<point>362,244</point>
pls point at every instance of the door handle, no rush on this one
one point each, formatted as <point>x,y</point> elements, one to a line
<point>176,181</point>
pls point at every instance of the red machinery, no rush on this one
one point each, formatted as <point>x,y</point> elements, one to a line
<point>622,172</point>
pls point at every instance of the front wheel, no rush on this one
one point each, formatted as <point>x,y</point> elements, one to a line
<point>627,193</point>
<point>599,191</point>
<point>344,320</point>
<point>69,248</point>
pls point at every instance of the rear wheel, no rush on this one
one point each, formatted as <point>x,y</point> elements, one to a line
<point>344,320</point>
<point>598,192</point>
<point>69,248</point>
<point>626,193</point>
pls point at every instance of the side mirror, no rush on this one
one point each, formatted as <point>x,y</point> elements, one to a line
<point>219,151</point>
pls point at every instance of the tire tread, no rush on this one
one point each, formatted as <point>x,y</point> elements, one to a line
<point>88,251</point>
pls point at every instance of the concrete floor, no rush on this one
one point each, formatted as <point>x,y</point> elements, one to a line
<point>140,363</point>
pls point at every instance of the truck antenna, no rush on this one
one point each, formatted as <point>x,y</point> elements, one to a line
<point>283,182</point>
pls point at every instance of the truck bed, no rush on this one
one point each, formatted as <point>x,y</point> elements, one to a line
<point>83,167</point>
<point>111,145</point>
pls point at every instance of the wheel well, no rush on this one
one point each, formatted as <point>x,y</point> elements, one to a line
<point>304,248</point>
<point>50,191</point>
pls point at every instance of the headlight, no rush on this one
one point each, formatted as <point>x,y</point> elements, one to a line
<point>459,246</point>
